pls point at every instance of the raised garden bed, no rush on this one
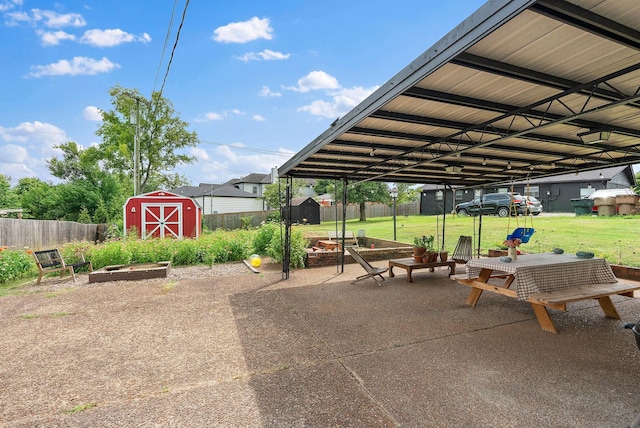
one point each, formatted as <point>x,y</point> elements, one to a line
<point>131,272</point>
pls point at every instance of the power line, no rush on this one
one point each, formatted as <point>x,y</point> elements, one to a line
<point>164,47</point>
<point>175,45</point>
<point>248,149</point>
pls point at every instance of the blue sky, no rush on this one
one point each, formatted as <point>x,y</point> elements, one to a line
<point>256,80</point>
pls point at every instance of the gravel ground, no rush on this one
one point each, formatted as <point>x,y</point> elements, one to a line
<point>120,349</point>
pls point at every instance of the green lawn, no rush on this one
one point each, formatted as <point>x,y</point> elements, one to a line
<point>614,238</point>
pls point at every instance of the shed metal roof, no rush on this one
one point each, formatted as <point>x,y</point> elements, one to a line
<point>503,97</point>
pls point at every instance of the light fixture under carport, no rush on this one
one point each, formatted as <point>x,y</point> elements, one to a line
<point>594,136</point>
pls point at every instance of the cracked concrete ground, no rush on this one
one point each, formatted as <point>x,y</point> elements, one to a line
<point>234,348</point>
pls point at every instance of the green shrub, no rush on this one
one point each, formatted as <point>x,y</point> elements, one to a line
<point>298,248</point>
<point>186,252</point>
<point>111,253</point>
<point>15,265</point>
<point>263,236</point>
<point>230,247</point>
<point>246,221</point>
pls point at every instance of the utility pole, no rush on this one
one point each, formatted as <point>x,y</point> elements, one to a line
<point>136,152</point>
<point>136,146</point>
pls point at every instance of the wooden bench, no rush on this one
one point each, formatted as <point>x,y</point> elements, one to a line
<point>557,299</point>
<point>49,261</point>
<point>410,265</point>
<point>349,237</point>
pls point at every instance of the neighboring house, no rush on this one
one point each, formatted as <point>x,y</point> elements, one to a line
<point>236,195</point>
<point>254,183</point>
<point>326,199</point>
<point>555,193</point>
<point>221,198</point>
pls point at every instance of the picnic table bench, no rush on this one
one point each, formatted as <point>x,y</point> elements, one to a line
<point>547,282</point>
<point>410,265</point>
<point>49,261</point>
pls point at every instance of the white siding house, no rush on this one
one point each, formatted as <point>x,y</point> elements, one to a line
<point>237,195</point>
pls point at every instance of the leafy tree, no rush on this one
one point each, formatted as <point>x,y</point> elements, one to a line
<point>77,163</point>
<point>407,193</point>
<point>84,216</point>
<point>93,186</point>
<point>8,197</point>
<point>37,198</point>
<point>161,134</point>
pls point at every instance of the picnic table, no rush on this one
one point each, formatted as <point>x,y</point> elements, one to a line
<point>410,265</point>
<point>546,280</point>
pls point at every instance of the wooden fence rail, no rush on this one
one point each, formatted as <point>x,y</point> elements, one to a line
<point>43,234</point>
<point>371,211</point>
<point>231,221</point>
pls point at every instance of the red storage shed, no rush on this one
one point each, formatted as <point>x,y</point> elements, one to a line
<point>163,214</point>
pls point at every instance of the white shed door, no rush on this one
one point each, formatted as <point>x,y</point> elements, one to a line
<point>161,220</point>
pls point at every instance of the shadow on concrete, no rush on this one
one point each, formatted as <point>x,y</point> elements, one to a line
<point>333,353</point>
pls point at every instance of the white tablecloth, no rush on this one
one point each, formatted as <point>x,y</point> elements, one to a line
<point>536,273</point>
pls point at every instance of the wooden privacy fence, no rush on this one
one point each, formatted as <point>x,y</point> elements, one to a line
<point>231,221</point>
<point>44,234</point>
<point>371,211</point>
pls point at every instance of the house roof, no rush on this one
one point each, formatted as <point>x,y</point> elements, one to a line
<point>255,178</point>
<point>605,174</point>
<point>503,97</point>
<point>301,200</point>
<point>212,190</point>
<point>231,191</point>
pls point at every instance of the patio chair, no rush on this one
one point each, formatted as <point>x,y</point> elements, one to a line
<point>51,261</point>
<point>462,253</point>
<point>372,272</point>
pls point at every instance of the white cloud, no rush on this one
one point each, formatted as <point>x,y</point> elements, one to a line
<point>9,4</point>
<point>34,132</point>
<point>237,112</point>
<point>266,92</point>
<point>13,19</point>
<point>48,18</point>
<point>77,66</point>
<point>258,118</point>
<point>233,160</point>
<point>242,32</point>
<point>92,113</point>
<point>111,37</point>
<point>53,19</point>
<point>265,55</point>
<point>341,102</point>
<point>200,153</point>
<point>53,38</point>
<point>314,81</point>
<point>27,147</point>
<point>208,117</point>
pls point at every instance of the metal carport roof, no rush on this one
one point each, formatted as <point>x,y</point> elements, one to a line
<point>502,97</point>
